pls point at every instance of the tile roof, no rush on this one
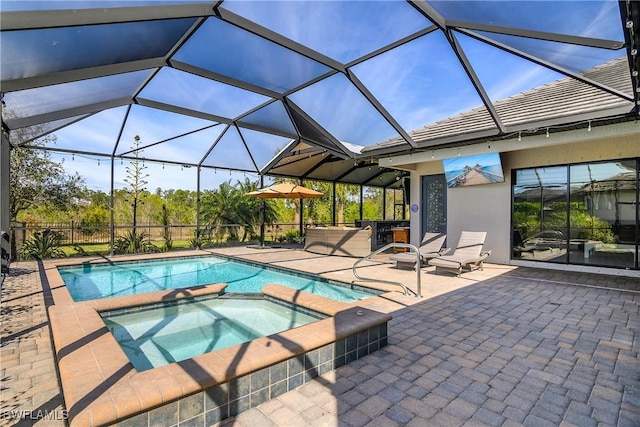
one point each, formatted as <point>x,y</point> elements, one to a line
<point>538,107</point>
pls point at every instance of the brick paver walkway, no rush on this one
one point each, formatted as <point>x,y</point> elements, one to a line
<point>30,392</point>
<point>527,347</point>
<point>510,351</point>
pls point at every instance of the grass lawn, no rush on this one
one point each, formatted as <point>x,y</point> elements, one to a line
<point>103,248</point>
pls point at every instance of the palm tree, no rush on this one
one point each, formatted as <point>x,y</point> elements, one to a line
<point>249,207</point>
<point>218,209</point>
<point>229,204</point>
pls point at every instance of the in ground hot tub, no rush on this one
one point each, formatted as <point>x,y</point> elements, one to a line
<point>157,336</point>
<point>102,387</point>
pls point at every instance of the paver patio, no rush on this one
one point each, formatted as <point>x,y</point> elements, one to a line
<point>503,346</point>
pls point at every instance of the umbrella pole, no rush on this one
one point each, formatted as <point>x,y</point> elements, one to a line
<point>262,207</point>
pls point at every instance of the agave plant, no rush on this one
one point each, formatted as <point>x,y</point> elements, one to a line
<point>43,245</point>
<point>133,243</point>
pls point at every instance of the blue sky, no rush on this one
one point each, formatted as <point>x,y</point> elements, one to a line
<point>418,83</point>
<point>97,174</point>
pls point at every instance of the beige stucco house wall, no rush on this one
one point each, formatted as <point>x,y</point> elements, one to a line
<point>488,207</point>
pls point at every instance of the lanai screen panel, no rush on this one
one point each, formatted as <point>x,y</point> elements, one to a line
<point>41,104</point>
<point>241,55</point>
<point>40,52</point>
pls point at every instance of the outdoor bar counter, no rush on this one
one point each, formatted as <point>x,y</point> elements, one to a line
<point>342,241</point>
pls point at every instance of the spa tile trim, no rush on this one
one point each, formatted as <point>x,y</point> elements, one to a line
<point>230,398</point>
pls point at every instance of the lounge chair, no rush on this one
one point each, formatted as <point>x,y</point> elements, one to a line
<point>430,247</point>
<point>467,255</point>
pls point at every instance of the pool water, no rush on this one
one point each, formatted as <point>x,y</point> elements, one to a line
<point>163,335</point>
<point>94,281</point>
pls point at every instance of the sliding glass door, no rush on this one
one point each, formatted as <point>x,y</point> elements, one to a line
<point>579,214</point>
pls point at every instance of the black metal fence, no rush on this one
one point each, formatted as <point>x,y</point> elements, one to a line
<point>74,234</point>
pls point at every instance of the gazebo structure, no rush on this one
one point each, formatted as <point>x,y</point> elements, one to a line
<point>514,120</point>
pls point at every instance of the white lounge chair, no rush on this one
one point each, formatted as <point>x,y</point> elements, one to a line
<point>467,255</point>
<point>430,247</point>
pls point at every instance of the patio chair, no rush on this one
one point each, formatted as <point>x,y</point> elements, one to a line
<point>467,255</point>
<point>430,247</point>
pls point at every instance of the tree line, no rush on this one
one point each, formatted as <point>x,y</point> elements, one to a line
<point>43,192</point>
<point>228,204</point>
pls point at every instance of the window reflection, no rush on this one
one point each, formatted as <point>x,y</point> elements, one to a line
<point>602,214</point>
<point>591,218</point>
<point>539,214</point>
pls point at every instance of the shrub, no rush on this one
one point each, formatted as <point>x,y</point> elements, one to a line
<point>205,238</point>
<point>293,236</point>
<point>43,245</point>
<point>133,243</point>
<point>79,250</point>
<point>168,242</point>
<point>93,219</point>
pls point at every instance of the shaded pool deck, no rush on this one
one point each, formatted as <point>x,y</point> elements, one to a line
<point>504,346</point>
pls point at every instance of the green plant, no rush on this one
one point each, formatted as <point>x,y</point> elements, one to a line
<point>229,205</point>
<point>204,236</point>
<point>136,178</point>
<point>43,245</point>
<point>166,233</point>
<point>134,242</point>
<point>293,236</point>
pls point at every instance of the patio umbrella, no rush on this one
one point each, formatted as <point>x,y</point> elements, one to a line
<point>285,190</point>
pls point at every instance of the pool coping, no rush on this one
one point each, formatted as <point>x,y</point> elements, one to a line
<point>101,386</point>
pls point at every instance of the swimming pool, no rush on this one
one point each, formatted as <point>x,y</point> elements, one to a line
<point>174,332</point>
<point>102,280</point>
